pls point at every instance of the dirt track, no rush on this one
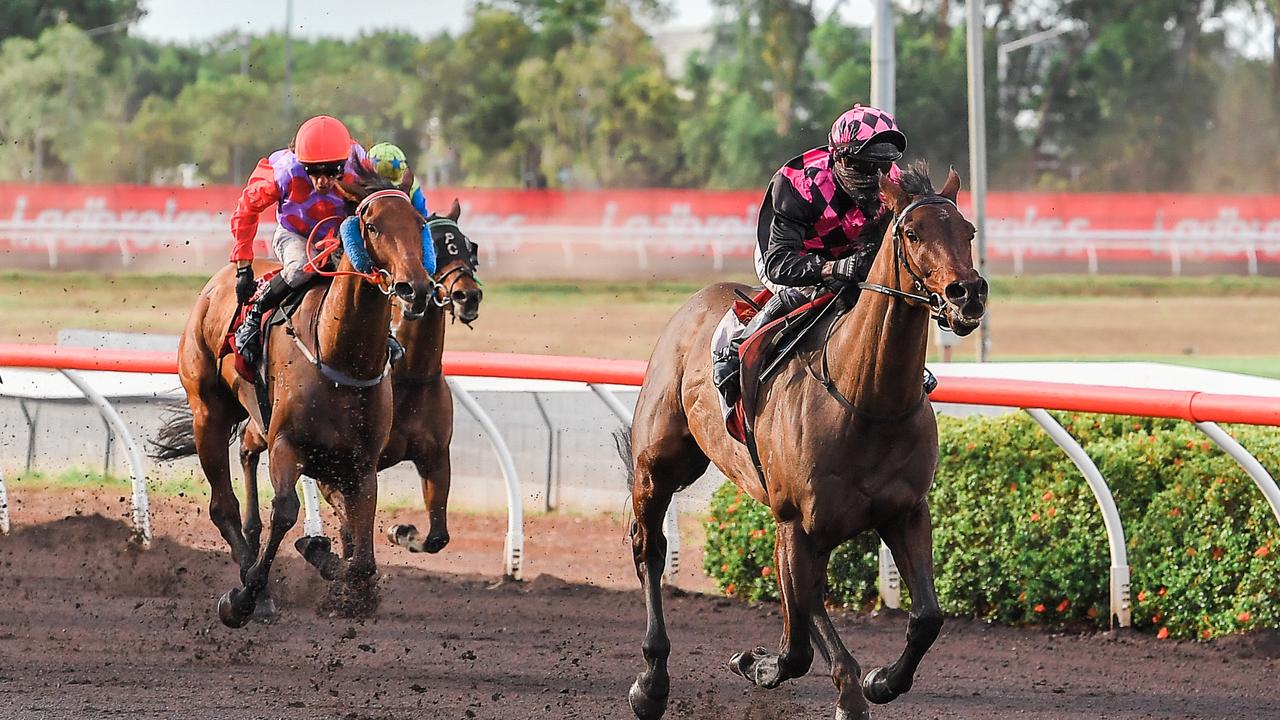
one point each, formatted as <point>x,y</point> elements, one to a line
<point>89,629</point>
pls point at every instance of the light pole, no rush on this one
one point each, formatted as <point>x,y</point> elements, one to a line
<point>978,149</point>
<point>882,56</point>
<point>1002,70</point>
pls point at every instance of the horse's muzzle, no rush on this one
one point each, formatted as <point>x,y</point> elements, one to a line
<point>967,300</point>
<point>466,304</point>
<point>413,297</point>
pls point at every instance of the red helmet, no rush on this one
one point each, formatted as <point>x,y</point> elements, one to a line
<point>322,139</point>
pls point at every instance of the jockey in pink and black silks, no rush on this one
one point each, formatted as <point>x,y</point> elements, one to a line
<point>822,219</point>
<point>301,182</point>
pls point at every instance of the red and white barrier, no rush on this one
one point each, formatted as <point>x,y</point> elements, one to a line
<point>1203,408</point>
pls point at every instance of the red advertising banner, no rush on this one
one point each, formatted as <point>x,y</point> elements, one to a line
<point>124,226</point>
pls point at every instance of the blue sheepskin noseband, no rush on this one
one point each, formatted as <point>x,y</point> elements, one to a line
<point>353,246</point>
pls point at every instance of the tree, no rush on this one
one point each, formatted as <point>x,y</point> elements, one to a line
<point>603,110</point>
<point>231,121</point>
<point>48,88</point>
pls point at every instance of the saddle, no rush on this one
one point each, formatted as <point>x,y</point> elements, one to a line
<point>277,316</point>
<point>767,350</point>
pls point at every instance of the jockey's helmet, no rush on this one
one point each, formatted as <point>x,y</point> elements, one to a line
<point>322,140</point>
<point>863,141</point>
<point>389,161</point>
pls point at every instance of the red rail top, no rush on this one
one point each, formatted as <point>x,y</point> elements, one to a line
<point>1182,404</point>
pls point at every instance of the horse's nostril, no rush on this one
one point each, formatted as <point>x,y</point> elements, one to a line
<point>957,293</point>
<point>459,296</point>
<point>403,290</point>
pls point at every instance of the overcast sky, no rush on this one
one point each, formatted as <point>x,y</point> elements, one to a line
<point>184,20</point>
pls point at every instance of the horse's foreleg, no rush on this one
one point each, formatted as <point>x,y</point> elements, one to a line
<point>435,478</point>
<point>800,577</point>
<point>911,541</point>
<point>650,499</point>
<point>236,607</point>
<point>845,672</point>
<point>356,593</point>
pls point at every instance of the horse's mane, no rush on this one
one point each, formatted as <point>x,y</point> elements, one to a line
<point>915,180</point>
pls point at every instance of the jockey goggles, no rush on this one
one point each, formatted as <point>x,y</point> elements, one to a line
<point>328,169</point>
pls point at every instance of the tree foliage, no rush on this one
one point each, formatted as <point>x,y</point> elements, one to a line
<point>1150,95</point>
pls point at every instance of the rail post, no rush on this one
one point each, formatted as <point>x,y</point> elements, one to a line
<point>513,548</point>
<point>1259,474</point>
<point>4,506</point>
<point>1119,577</point>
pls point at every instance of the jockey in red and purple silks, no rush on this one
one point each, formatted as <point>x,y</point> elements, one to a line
<point>301,182</point>
<point>822,218</point>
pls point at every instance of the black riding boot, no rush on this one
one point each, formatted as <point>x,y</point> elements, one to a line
<point>249,335</point>
<point>395,351</point>
<point>727,364</point>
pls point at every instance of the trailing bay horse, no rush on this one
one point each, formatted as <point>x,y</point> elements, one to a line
<point>855,454</point>
<point>422,424</point>
<point>330,403</point>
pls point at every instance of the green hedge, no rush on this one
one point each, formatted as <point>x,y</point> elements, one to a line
<point>1018,536</point>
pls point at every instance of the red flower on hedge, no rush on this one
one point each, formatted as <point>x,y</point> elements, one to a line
<point>766,571</point>
<point>1244,617</point>
<point>1039,607</point>
<point>1164,633</point>
<point>1263,551</point>
<point>1062,606</point>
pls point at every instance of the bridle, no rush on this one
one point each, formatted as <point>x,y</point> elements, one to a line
<point>448,280</point>
<point>921,292</point>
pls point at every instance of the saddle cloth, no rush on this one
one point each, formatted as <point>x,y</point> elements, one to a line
<point>761,352</point>
<point>277,316</point>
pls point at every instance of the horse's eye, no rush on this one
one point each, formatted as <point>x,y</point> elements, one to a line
<point>370,228</point>
<point>911,235</point>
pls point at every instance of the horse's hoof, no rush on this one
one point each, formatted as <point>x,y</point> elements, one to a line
<point>228,613</point>
<point>645,706</point>
<point>875,687</point>
<point>842,714</point>
<point>759,666</point>
<point>312,546</point>
<point>265,610</point>
<point>436,542</point>
<point>401,535</point>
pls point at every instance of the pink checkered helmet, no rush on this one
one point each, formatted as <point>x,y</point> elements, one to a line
<point>863,126</point>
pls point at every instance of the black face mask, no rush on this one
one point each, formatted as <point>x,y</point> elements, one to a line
<point>861,182</point>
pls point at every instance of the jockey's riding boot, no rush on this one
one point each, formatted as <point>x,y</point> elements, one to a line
<point>395,351</point>
<point>249,334</point>
<point>930,382</point>
<point>727,364</point>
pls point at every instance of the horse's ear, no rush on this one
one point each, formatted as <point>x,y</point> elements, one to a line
<point>352,192</point>
<point>455,211</point>
<point>894,196</point>
<point>406,183</point>
<point>952,187</point>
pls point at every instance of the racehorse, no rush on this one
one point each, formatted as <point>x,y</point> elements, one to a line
<point>330,404</point>
<point>422,425</point>
<point>852,451</point>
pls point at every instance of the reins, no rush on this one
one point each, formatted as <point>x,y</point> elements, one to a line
<point>922,294</point>
<point>330,245</point>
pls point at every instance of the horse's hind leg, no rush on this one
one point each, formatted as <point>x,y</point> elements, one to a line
<point>435,476</point>
<point>801,572</point>
<point>252,445</point>
<point>212,419</point>
<point>661,467</point>
<point>236,606</point>
<point>911,541</point>
<point>845,672</point>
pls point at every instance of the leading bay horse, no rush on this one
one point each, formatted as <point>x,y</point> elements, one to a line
<point>855,454</point>
<point>329,398</point>
<point>422,425</point>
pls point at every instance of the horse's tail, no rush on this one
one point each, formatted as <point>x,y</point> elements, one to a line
<point>622,439</point>
<point>177,436</point>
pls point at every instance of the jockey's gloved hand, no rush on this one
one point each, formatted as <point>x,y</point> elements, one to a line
<point>245,284</point>
<point>849,269</point>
